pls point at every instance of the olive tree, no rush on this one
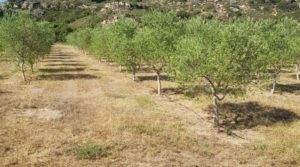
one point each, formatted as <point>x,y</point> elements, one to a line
<point>223,55</point>
<point>24,39</point>
<point>160,33</point>
<point>81,38</point>
<point>103,43</point>
<point>127,50</point>
<point>280,45</point>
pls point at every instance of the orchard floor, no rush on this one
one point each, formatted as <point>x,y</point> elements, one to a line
<point>73,100</point>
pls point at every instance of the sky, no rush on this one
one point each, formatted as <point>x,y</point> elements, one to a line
<point>2,1</point>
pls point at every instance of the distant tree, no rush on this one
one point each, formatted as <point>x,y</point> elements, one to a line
<point>24,40</point>
<point>160,34</point>
<point>103,43</point>
<point>280,45</point>
<point>222,54</point>
<point>127,51</point>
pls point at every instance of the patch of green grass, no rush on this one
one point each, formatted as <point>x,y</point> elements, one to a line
<point>144,101</point>
<point>148,130</point>
<point>92,151</point>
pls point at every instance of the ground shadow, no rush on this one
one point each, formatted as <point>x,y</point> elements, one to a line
<point>251,114</point>
<point>58,58</point>
<point>5,92</point>
<point>61,61</point>
<point>66,64</point>
<point>192,91</point>
<point>154,78</point>
<point>145,69</point>
<point>56,70</point>
<point>290,88</point>
<point>2,77</point>
<point>66,77</point>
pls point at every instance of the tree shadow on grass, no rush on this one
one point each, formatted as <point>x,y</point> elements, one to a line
<point>60,61</point>
<point>2,77</point>
<point>290,88</point>
<point>59,58</point>
<point>56,70</point>
<point>61,77</point>
<point>154,78</point>
<point>5,92</point>
<point>66,64</point>
<point>191,92</point>
<point>251,114</point>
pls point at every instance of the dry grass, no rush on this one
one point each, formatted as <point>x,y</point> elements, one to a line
<point>109,120</point>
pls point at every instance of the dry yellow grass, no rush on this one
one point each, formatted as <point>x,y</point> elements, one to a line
<point>73,100</point>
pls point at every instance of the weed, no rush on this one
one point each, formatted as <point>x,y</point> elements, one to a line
<point>92,151</point>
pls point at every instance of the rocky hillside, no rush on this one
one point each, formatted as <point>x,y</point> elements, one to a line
<point>184,8</point>
<point>68,15</point>
<point>211,8</point>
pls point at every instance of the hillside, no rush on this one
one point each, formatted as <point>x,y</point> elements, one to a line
<point>105,10</point>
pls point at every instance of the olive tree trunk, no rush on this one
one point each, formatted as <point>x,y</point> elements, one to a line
<point>297,71</point>
<point>216,111</point>
<point>215,101</point>
<point>158,83</point>
<point>274,82</point>
<point>22,68</point>
<point>133,73</point>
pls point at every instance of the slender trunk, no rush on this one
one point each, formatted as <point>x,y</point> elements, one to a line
<point>121,68</point>
<point>297,71</point>
<point>216,112</point>
<point>31,67</point>
<point>22,66</point>
<point>158,84</point>
<point>133,75</point>
<point>274,83</point>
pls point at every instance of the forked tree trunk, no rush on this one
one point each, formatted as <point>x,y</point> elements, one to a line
<point>274,82</point>
<point>297,71</point>
<point>158,84</point>
<point>215,101</point>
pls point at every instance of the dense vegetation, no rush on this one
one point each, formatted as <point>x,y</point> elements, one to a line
<point>24,40</point>
<point>227,55</point>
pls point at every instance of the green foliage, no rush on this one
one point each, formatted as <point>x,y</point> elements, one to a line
<point>127,50</point>
<point>280,41</point>
<point>81,38</point>
<point>222,53</point>
<point>160,33</point>
<point>92,151</point>
<point>24,39</point>
<point>61,20</point>
<point>280,45</point>
<point>103,43</point>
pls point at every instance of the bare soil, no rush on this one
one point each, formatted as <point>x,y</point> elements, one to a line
<point>73,99</point>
